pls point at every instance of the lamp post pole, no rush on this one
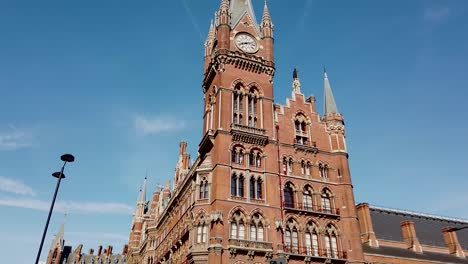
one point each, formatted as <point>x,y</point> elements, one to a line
<point>65,158</point>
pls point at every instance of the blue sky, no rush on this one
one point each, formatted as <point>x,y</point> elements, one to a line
<point>118,84</point>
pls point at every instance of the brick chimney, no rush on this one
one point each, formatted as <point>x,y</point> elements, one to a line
<point>125,250</point>
<point>109,250</point>
<point>99,251</point>
<point>409,236</point>
<point>365,224</point>
<point>91,251</point>
<point>451,240</point>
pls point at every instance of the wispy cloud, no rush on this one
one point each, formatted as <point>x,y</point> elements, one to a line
<point>15,186</point>
<point>193,21</point>
<point>436,14</point>
<point>147,126</point>
<point>68,206</point>
<point>308,4</point>
<point>14,139</point>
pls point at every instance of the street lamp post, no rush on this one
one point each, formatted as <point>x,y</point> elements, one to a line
<point>65,158</point>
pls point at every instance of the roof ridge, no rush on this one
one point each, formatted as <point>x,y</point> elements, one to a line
<point>408,212</point>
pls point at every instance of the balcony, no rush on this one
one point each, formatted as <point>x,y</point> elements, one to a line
<point>316,253</point>
<point>247,134</point>
<point>242,244</point>
<point>314,209</point>
<point>304,145</point>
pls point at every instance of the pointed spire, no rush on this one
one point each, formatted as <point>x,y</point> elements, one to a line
<point>223,15</point>
<point>238,8</point>
<point>142,195</point>
<point>296,83</point>
<point>58,239</point>
<point>266,14</point>
<point>329,104</point>
<point>211,34</point>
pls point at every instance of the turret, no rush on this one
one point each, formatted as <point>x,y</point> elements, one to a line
<point>267,32</point>
<point>333,119</point>
<point>296,85</point>
<point>138,217</point>
<point>57,246</point>
<point>223,28</point>
<point>182,166</point>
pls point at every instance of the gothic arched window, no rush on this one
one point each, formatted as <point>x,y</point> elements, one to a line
<point>240,186</point>
<point>203,193</point>
<point>323,170</point>
<point>252,187</point>
<point>259,189</point>
<point>326,201</point>
<point>300,125</point>
<point>307,198</point>
<point>256,228</point>
<point>237,226</point>
<point>311,240</point>
<point>331,241</point>
<point>291,237</point>
<point>288,195</point>
<point>252,99</point>
<point>233,184</point>
<point>237,105</point>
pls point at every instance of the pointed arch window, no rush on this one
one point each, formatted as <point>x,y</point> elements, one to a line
<point>256,228</point>
<point>291,237</point>
<point>237,155</point>
<point>203,193</point>
<point>323,170</point>
<point>290,166</point>
<point>307,199</point>
<point>233,184</point>
<point>237,226</point>
<point>252,187</point>
<point>285,166</point>
<point>252,100</point>
<point>311,240</point>
<point>255,158</point>
<point>326,201</point>
<point>240,186</point>
<point>288,196</point>
<point>307,168</point>
<point>237,105</point>
<point>255,188</point>
<point>300,125</point>
<point>201,233</point>
<point>331,242</point>
<point>259,189</point>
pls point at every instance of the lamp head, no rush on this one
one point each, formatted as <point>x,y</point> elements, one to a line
<point>67,158</point>
<point>57,175</point>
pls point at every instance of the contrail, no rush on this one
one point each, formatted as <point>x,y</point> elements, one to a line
<point>192,19</point>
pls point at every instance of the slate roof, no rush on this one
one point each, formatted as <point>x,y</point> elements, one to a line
<point>386,223</point>
<point>405,253</point>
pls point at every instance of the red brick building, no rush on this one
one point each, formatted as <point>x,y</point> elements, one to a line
<point>272,180</point>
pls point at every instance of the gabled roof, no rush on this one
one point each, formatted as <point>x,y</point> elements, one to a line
<point>238,8</point>
<point>386,223</point>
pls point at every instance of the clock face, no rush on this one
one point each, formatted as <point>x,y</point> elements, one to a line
<point>246,43</point>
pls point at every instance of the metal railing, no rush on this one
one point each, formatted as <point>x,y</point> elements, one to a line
<point>311,208</point>
<point>315,252</point>
<point>250,244</point>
